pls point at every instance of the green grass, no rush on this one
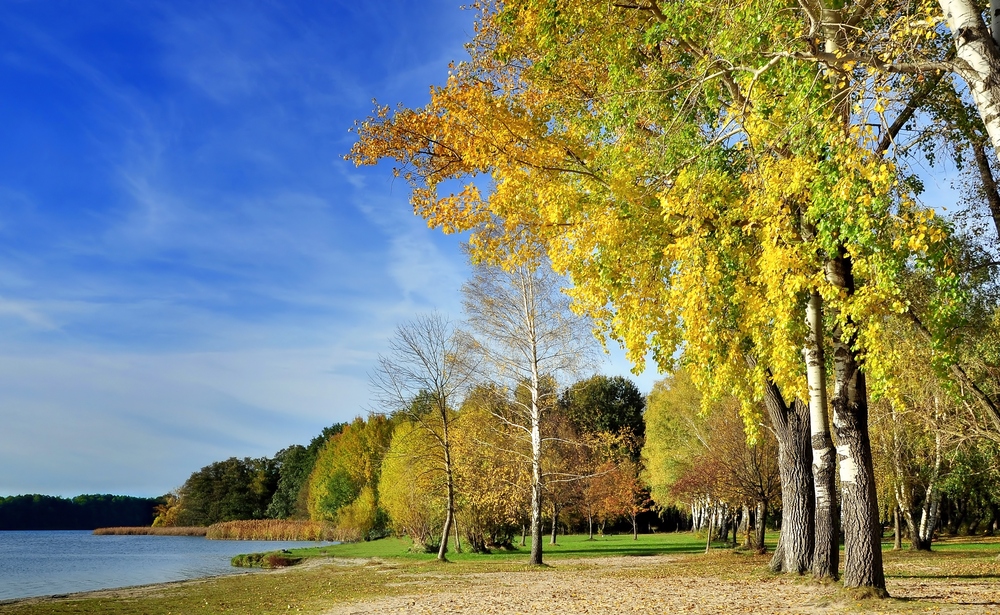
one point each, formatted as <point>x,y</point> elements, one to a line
<point>567,546</point>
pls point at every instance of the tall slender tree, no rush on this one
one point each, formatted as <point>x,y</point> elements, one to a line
<point>527,337</point>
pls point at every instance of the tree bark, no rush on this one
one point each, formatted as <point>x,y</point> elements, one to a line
<point>794,553</point>
<point>932,501</point>
<point>747,528</point>
<point>450,485</point>
<point>861,523</point>
<point>536,519</point>
<point>826,553</point>
<point>536,466</point>
<point>989,183</point>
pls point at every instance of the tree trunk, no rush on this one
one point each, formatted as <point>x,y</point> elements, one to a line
<point>450,486</point>
<point>536,525</point>
<point>861,523</point>
<point>989,183</point>
<point>906,506</point>
<point>635,527</point>
<point>458,540</point>
<point>524,530</point>
<point>747,528</point>
<point>979,60</point>
<point>555,523</point>
<point>590,523</point>
<point>794,553</point>
<point>711,523</point>
<point>536,471</point>
<point>932,501</point>
<point>897,540</point>
<point>826,553</point>
<point>760,546</point>
<point>536,457</point>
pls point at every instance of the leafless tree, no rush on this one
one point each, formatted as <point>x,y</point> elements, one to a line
<point>423,373</point>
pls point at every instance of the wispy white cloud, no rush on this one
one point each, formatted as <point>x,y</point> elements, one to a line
<point>26,312</point>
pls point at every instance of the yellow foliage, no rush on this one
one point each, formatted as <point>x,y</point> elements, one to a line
<point>411,488</point>
<point>693,214</point>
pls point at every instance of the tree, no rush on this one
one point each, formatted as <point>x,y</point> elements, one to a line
<point>691,170</point>
<point>294,465</point>
<point>228,490</point>
<point>705,457</point>
<point>606,414</point>
<point>410,486</point>
<point>492,476</point>
<point>750,473</point>
<point>426,363</point>
<point>610,404</point>
<point>526,334</point>
<point>344,480</point>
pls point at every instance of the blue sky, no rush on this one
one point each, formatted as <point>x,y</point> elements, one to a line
<point>188,269</point>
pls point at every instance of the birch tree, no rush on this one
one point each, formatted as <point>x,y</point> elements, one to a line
<point>527,337</point>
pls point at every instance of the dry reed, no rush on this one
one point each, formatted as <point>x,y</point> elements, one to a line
<point>151,531</point>
<point>270,529</point>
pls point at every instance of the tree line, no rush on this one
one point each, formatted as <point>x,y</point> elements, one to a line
<point>84,512</point>
<point>381,474</point>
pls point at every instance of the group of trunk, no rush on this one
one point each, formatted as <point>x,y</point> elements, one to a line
<point>812,519</point>
<point>809,539</point>
<point>717,519</point>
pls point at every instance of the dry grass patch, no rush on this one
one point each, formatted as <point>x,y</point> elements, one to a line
<point>270,529</point>
<point>150,531</point>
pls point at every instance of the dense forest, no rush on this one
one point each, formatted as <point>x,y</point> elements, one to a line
<point>84,512</point>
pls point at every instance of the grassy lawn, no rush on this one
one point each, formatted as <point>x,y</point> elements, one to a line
<point>385,568</point>
<point>575,545</point>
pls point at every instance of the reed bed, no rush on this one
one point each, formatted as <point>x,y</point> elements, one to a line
<point>271,529</point>
<point>151,531</point>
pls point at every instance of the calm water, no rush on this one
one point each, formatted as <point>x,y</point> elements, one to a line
<point>45,563</point>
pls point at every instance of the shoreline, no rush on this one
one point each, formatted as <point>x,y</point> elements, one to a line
<point>132,590</point>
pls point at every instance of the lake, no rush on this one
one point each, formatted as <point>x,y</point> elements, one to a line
<point>62,562</point>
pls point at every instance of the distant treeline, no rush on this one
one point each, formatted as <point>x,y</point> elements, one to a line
<point>84,512</point>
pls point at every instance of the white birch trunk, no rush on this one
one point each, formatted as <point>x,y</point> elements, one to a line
<point>932,497</point>
<point>980,57</point>
<point>826,548</point>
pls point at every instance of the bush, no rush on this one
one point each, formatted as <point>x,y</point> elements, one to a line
<point>272,559</point>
